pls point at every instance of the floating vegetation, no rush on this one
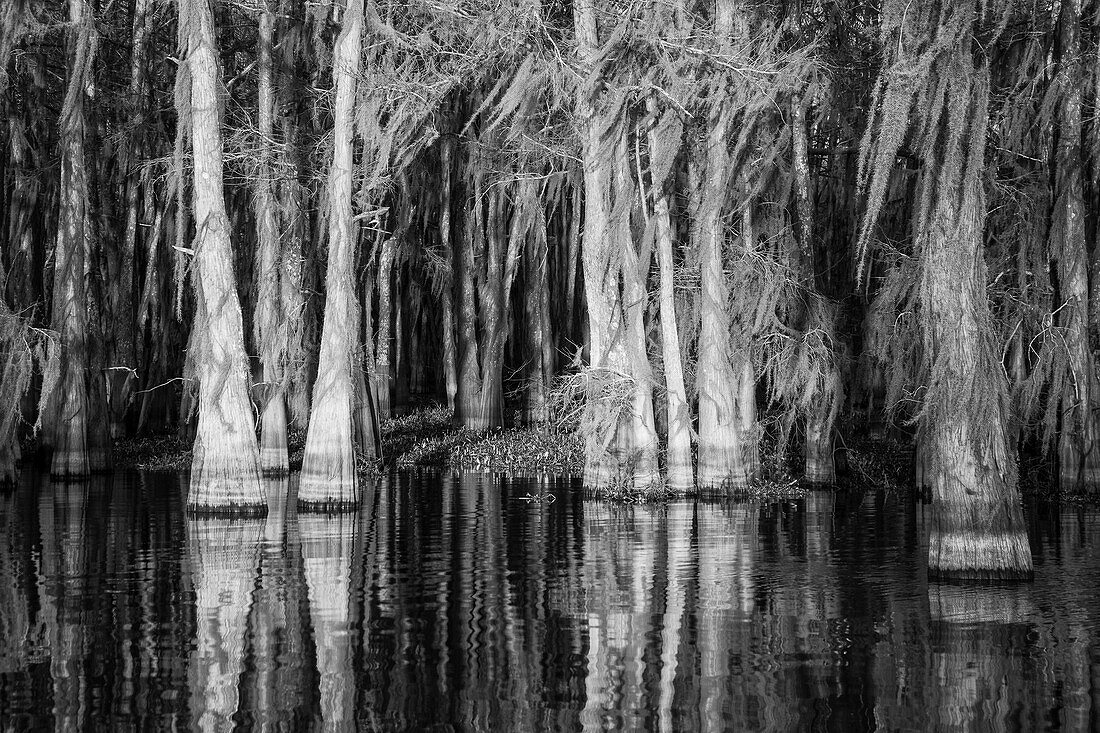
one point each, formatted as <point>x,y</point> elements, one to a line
<point>425,438</point>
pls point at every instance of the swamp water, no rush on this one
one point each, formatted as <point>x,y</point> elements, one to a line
<point>478,603</point>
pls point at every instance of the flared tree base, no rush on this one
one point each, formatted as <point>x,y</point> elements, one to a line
<point>820,469</point>
<point>328,482</point>
<point>678,480</point>
<point>481,410</point>
<point>274,452</point>
<point>975,555</point>
<point>225,478</point>
<point>722,469</point>
<point>231,511</point>
<point>69,465</point>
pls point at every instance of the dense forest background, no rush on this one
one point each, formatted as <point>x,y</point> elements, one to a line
<point>680,228</point>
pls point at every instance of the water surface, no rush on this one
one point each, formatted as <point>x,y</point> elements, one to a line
<point>483,603</point>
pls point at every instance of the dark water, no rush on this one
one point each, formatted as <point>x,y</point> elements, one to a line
<point>461,604</point>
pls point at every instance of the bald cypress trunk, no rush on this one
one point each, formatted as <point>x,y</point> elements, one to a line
<point>70,430</point>
<point>1079,437</point>
<point>678,463</point>
<point>821,413</point>
<point>620,437</point>
<point>270,322</point>
<point>722,461</point>
<point>328,467</point>
<point>977,522</point>
<point>383,369</point>
<point>537,326</point>
<point>492,241</point>
<point>446,299</point>
<point>725,378</point>
<point>225,468</point>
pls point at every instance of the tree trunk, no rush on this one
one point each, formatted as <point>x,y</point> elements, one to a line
<point>634,267</point>
<point>678,465</point>
<point>270,321</point>
<point>329,479</point>
<point>615,413</point>
<point>721,451</point>
<point>469,373</point>
<point>977,522</point>
<point>225,468</point>
<point>1079,438</point>
<point>821,413</point>
<point>295,226</point>
<point>70,431</point>
<point>383,369</point>
<point>447,300</point>
<point>536,301</point>
<point>490,253</point>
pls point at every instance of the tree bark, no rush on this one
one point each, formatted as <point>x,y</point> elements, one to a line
<point>446,300</point>
<point>721,458</point>
<point>270,321</point>
<point>821,413</point>
<point>1079,437</point>
<point>329,480</point>
<point>536,301</point>
<point>977,522</point>
<point>70,431</point>
<point>225,468</point>
<point>383,366</point>
<point>679,472</point>
<point>616,412</point>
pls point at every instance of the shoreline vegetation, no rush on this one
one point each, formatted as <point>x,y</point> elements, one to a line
<point>427,438</point>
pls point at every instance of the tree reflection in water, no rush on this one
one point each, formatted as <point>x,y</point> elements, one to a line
<point>471,603</point>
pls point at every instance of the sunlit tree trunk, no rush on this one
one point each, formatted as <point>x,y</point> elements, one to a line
<point>270,321</point>
<point>328,467</point>
<point>721,457</point>
<point>725,378</point>
<point>679,470</point>
<point>1079,438</point>
<point>70,430</point>
<point>977,522</point>
<point>225,468</point>
<point>621,442</point>
<point>383,368</point>
<point>639,420</point>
